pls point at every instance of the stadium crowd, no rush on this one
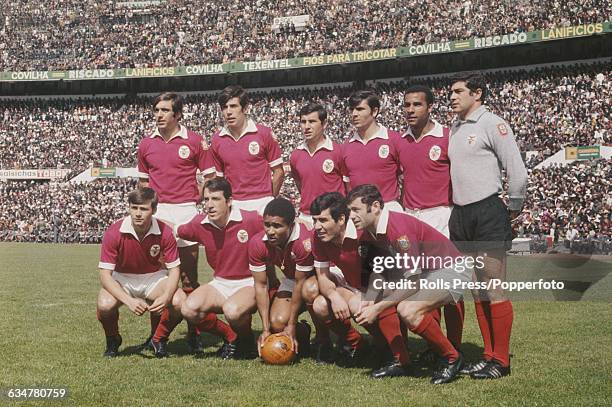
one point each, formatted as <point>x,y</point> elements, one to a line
<point>560,199</point>
<point>571,204</point>
<point>548,109</point>
<point>71,34</point>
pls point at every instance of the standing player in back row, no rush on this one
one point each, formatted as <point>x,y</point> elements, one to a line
<point>245,153</point>
<point>371,155</point>
<point>168,161</point>
<point>427,192</point>
<point>316,167</point>
<point>481,145</point>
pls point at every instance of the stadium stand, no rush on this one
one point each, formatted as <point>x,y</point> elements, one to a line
<point>71,34</point>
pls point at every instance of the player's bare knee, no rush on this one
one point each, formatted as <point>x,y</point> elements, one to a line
<point>320,307</point>
<point>409,313</point>
<point>107,303</point>
<point>232,311</point>
<point>310,290</point>
<point>278,323</point>
<point>190,310</point>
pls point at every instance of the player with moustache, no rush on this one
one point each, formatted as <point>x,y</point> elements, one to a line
<point>426,186</point>
<point>246,153</point>
<point>403,234</point>
<point>139,267</point>
<point>481,146</point>
<point>168,161</point>
<point>224,231</point>
<point>338,242</point>
<point>284,243</point>
<point>316,167</point>
<point>371,155</point>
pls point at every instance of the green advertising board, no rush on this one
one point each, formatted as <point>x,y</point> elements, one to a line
<point>408,51</point>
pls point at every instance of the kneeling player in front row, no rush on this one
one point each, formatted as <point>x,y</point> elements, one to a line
<point>224,232</point>
<point>131,269</point>
<point>404,234</point>
<point>337,241</point>
<point>286,244</point>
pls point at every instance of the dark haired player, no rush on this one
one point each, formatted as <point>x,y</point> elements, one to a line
<point>286,244</point>
<point>426,191</point>
<point>245,153</point>
<point>481,145</point>
<point>224,231</point>
<point>371,155</point>
<point>316,167</point>
<point>139,267</point>
<point>337,241</point>
<point>404,234</point>
<point>168,161</point>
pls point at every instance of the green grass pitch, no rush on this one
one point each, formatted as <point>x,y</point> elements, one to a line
<point>51,338</point>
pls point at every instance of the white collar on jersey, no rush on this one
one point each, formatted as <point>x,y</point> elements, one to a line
<point>251,127</point>
<point>295,233</point>
<point>436,131</point>
<point>382,133</point>
<point>383,220</point>
<point>182,133</point>
<point>234,215</point>
<point>127,227</point>
<point>351,231</point>
<point>327,144</point>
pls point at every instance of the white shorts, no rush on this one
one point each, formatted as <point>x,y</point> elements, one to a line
<point>287,284</point>
<point>177,215</point>
<point>140,285</point>
<point>227,288</point>
<point>440,277</point>
<point>258,204</point>
<point>394,206</point>
<point>435,217</point>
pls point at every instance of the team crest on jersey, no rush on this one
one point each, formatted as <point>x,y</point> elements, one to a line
<point>503,130</point>
<point>383,151</point>
<point>243,236</point>
<point>328,166</point>
<point>183,152</point>
<point>403,242</point>
<point>434,153</point>
<point>154,251</point>
<point>307,245</point>
<point>253,148</point>
<point>471,139</point>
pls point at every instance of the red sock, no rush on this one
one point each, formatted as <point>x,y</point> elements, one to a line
<point>167,323</point>
<point>483,313</point>
<point>432,333</point>
<point>211,324</point>
<point>453,317</point>
<point>154,318</point>
<point>501,323</point>
<point>345,331</point>
<point>389,325</point>
<point>110,322</point>
<point>436,315</point>
<point>322,331</point>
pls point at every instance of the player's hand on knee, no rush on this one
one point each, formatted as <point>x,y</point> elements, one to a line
<point>159,304</point>
<point>367,314</point>
<point>340,308</point>
<point>138,306</point>
<point>261,340</point>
